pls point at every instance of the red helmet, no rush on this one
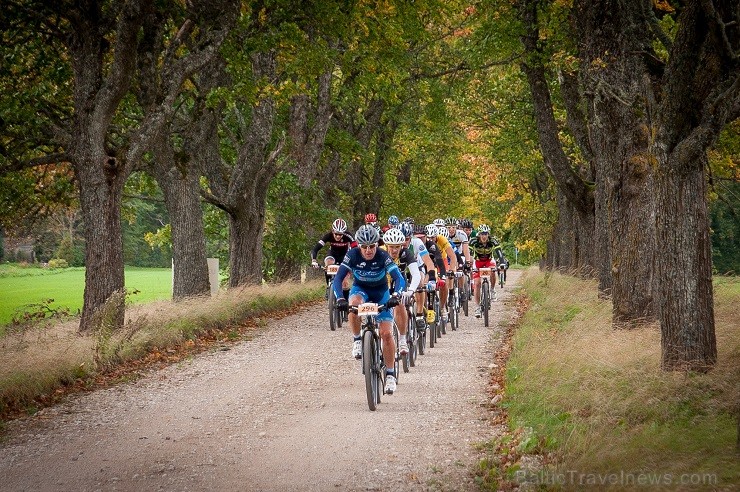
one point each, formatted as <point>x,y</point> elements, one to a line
<point>370,218</point>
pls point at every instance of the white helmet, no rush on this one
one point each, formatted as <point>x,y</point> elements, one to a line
<point>439,222</point>
<point>442,231</point>
<point>431,230</point>
<point>339,226</point>
<point>393,237</point>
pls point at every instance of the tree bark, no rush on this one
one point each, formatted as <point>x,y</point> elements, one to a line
<point>611,47</point>
<point>574,231</point>
<point>181,189</point>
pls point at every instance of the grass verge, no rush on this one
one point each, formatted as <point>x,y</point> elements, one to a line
<point>593,405</point>
<point>32,292</point>
<point>39,366</point>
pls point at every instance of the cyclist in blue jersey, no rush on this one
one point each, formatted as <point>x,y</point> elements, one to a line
<point>370,267</point>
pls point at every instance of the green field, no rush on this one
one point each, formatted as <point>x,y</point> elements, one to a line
<point>22,287</point>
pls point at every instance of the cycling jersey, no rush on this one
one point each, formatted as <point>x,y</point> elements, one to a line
<point>437,257</point>
<point>337,249</point>
<point>457,240</point>
<point>481,251</point>
<point>370,280</point>
<point>369,273</point>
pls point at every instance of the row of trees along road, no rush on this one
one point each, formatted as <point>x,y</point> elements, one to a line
<point>581,128</point>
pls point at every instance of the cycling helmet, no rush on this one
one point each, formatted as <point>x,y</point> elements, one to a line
<point>451,221</point>
<point>442,231</point>
<point>466,224</point>
<point>410,220</point>
<point>484,229</point>
<point>431,230</point>
<point>406,229</point>
<point>393,220</point>
<point>420,229</point>
<point>393,237</point>
<point>439,222</point>
<point>367,234</point>
<point>339,226</point>
<point>370,218</point>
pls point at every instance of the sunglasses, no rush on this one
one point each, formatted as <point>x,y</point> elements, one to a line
<point>368,246</point>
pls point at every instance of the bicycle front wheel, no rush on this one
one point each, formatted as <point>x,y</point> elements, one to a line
<point>485,302</point>
<point>369,367</point>
<point>465,296</point>
<point>333,313</point>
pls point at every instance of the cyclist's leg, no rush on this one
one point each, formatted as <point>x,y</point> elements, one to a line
<point>356,297</point>
<point>389,344</point>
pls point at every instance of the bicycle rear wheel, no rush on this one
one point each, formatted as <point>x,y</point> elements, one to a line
<point>370,369</point>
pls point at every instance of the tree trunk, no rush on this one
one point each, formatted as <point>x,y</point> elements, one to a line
<point>181,190</point>
<point>245,244</point>
<point>101,188</point>
<point>684,271</point>
<point>611,54</point>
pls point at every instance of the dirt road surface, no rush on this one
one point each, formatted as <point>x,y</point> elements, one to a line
<point>285,411</point>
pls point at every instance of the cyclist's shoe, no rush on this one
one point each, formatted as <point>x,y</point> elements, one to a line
<point>357,349</point>
<point>420,324</point>
<point>390,384</point>
<point>477,312</point>
<point>403,347</point>
<point>445,317</point>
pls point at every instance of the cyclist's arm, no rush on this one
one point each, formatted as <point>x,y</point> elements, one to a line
<point>336,284</point>
<point>318,246</point>
<point>415,276</point>
<point>452,256</point>
<point>427,259</point>
<point>399,283</point>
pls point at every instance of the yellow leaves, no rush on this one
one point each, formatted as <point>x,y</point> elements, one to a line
<point>663,6</point>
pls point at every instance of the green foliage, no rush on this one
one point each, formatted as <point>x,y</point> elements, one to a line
<point>58,263</point>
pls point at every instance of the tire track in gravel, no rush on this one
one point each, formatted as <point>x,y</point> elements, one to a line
<point>285,411</point>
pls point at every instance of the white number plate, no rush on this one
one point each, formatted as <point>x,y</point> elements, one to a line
<point>367,309</point>
<point>485,271</point>
<point>332,269</point>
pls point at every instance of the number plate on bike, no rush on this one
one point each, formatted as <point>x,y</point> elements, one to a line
<point>332,269</point>
<point>367,309</point>
<point>485,271</point>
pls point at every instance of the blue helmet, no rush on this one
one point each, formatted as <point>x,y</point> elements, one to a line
<point>393,220</point>
<point>407,229</point>
<point>367,234</point>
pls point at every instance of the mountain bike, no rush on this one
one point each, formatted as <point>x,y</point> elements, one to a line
<point>501,275</point>
<point>373,365</point>
<point>485,293</point>
<point>335,315</point>
<point>432,316</point>
<point>453,300</point>
<point>421,330</point>
<point>466,291</point>
<point>412,339</point>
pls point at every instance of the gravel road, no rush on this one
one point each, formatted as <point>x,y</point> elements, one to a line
<point>285,411</point>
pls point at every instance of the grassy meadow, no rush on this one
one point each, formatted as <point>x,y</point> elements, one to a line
<point>30,288</point>
<point>592,403</point>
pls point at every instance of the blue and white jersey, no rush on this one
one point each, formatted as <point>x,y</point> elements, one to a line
<point>417,251</point>
<point>370,274</point>
<point>457,240</point>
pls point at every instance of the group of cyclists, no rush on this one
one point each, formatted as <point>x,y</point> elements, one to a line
<point>398,264</point>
